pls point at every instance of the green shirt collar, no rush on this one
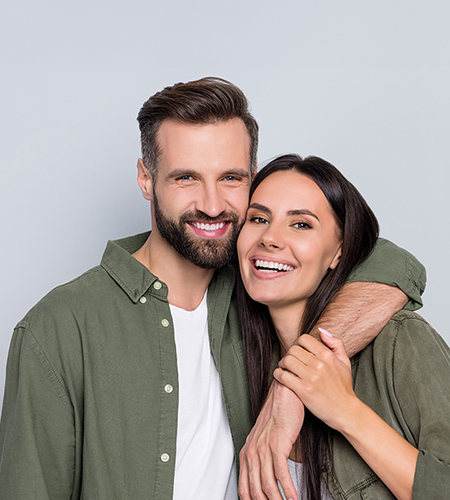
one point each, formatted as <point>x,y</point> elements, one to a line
<point>134,278</point>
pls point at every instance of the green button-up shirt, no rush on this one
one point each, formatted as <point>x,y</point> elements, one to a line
<point>87,413</point>
<point>404,376</point>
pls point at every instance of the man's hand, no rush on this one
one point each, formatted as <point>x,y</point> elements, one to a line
<point>263,459</point>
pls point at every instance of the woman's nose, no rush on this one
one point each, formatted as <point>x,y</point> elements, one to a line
<point>272,237</point>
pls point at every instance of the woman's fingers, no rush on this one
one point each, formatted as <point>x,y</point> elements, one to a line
<point>320,376</point>
<point>336,345</point>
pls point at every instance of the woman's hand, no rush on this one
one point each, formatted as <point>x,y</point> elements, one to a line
<point>321,378</point>
<point>320,375</point>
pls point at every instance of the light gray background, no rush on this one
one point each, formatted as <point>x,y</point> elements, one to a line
<point>364,84</point>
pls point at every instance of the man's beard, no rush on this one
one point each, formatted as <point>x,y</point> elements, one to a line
<point>203,252</point>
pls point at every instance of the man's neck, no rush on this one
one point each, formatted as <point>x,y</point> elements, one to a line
<point>187,282</point>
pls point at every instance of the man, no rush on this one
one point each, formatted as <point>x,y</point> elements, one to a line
<point>128,382</point>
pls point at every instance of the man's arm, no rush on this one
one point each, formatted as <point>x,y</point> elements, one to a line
<point>389,278</point>
<point>358,313</point>
<point>37,442</point>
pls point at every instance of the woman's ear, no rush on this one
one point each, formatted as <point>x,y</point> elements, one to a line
<point>336,257</point>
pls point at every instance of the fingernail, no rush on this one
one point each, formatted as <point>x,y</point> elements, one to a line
<point>325,332</point>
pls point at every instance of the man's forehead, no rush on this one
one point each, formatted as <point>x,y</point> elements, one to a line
<point>171,127</point>
<point>224,142</point>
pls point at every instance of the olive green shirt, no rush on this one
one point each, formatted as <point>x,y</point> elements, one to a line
<point>404,376</point>
<point>91,398</point>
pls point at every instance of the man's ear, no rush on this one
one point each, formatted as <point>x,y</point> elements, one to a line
<point>145,180</point>
<point>255,171</point>
<point>336,257</point>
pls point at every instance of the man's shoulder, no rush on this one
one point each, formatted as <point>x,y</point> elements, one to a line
<point>407,336</point>
<point>68,297</point>
<point>405,323</point>
<point>94,287</point>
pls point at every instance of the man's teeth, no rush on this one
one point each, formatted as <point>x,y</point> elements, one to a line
<point>208,227</point>
<point>264,265</point>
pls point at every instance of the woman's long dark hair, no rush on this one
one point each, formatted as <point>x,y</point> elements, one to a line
<point>359,231</point>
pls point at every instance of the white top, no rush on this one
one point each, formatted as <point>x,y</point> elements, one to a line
<point>204,465</point>
<point>296,470</point>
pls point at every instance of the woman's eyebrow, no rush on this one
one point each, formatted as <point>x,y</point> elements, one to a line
<point>303,211</point>
<point>263,208</point>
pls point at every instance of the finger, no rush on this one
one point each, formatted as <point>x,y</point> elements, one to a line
<point>297,360</point>
<point>254,475</point>
<point>243,487</point>
<point>311,344</point>
<point>284,476</point>
<point>269,482</point>
<point>289,380</point>
<point>335,344</point>
<point>300,353</point>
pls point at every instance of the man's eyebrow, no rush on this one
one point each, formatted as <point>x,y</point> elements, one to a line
<point>236,172</point>
<point>180,172</point>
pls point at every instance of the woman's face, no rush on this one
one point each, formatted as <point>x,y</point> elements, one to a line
<point>289,240</point>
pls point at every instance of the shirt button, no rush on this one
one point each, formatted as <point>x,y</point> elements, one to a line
<point>165,457</point>
<point>165,323</point>
<point>157,285</point>
<point>168,388</point>
<point>143,300</point>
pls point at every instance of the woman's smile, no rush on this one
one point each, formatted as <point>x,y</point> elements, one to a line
<point>265,264</point>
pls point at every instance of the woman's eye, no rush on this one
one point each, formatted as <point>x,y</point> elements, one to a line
<point>258,220</point>
<point>302,225</point>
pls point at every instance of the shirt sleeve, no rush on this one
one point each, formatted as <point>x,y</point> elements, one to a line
<point>37,439</point>
<point>421,378</point>
<point>393,265</point>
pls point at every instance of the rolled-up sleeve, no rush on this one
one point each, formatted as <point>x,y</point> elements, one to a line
<point>392,265</point>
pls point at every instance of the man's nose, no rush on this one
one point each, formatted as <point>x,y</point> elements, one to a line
<point>211,202</point>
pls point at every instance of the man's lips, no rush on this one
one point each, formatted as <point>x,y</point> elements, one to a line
<point>210,229</point>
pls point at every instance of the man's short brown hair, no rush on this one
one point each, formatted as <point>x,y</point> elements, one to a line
<point>208,100</point>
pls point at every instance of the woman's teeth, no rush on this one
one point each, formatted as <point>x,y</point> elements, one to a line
<point>267,266</point>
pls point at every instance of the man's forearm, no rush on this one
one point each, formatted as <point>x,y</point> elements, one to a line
<point>358,312</point>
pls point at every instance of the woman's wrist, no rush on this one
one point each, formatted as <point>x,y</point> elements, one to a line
<point>351,421</point>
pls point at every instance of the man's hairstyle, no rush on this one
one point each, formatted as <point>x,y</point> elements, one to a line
<point>206,101</point>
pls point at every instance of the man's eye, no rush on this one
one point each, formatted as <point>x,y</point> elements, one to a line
<point>231,178</point>
<point>185,178</point>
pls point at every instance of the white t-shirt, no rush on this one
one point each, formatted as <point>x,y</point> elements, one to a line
<point>204,465</point>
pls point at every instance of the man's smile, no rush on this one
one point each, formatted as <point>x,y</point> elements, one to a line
<point>210,230</point>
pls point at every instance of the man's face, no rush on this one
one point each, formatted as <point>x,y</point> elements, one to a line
<point>200,193</point>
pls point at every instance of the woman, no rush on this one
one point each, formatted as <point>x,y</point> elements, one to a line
<point>377,428</point>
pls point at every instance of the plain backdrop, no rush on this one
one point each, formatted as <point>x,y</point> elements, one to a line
<point>363,84</point>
